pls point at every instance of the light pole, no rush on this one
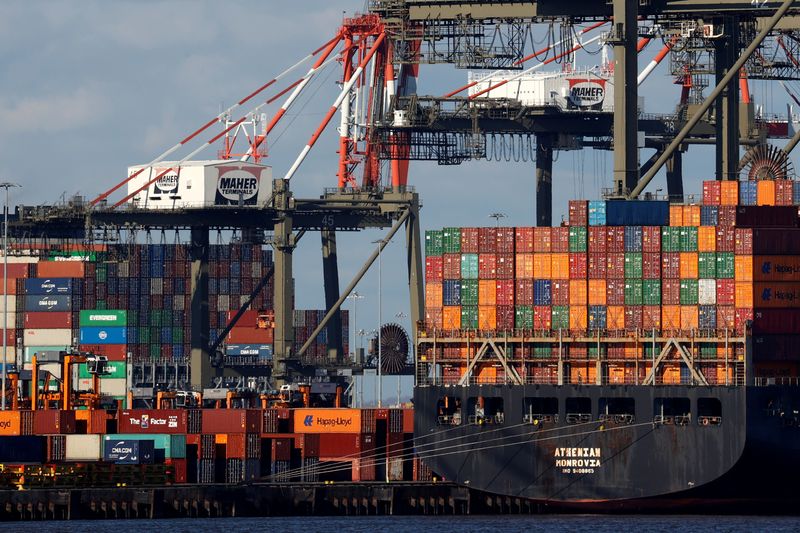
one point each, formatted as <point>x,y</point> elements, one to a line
<point>497,217</point>
<point>400,316</point>
<point>6,185</point>
<point>355,296</point>
<point>381,243</point>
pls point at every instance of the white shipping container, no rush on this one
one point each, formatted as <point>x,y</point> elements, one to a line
<point>11,316</point>
<point>82,384</point>
<point>707,292</point>
<point>20,259</point>
<point>83,448</point>
<point>27,355</point>
<point>201,183</point>
<point>47,337</point>
<point>10,355</point>
<point>113,387</point>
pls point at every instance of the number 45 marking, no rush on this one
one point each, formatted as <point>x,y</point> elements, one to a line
<point>327,220</point>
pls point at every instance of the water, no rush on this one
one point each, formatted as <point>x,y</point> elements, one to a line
<point>415,524</point>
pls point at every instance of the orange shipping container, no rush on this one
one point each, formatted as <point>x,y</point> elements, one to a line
<point>744,294</point>
<point>616,374</point>
<point>671,374</point>
<point>433,294</point>
<point>690,318</point>
<point>765,191</point>
<point>583,373</point>
<point>487,292</point>
<point>486,374</point>
<point>691,215</point>
<point>487,317</point>
<point>676,215</point>
<point>743,268</point>
<point>597,292</point>
<point>707,239</point>
<point>615,317</point>
<point>327,420</point>
<point>60,269</point>
<point>451,317</point>
<point>671,317</point>
<point>542,266</point>
<point>577,292</point>
<point>578,317</point>
<point>524,264</point>
<point>560,265</point>
<point>688,268</point>
<point>729,193</point>
<point>16,423</point>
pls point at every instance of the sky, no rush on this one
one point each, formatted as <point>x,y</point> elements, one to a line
<point>91,87</point>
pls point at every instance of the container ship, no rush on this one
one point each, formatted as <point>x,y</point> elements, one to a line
<point>643,354</point>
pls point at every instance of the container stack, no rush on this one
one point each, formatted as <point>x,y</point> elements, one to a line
<point>250,340</point>
<point>104,332</point>
<point>305,322</point>
<point>48,306</point>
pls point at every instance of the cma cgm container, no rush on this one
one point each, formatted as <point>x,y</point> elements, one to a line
<point>199,183</point>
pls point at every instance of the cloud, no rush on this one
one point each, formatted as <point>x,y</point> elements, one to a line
<point>53,113</point>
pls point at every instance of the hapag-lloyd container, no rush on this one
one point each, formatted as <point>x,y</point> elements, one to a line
<point>16,422</point>
<point>327,420</point>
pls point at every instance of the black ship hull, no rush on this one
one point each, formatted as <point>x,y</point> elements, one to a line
<point>621,448</point>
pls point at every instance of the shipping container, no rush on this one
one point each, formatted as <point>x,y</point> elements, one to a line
<point>47,337</point>
<point>60,269</point>
<point>103,335</point>
<point>166,445</point>
<point>48,286</point>
<point>103,318</point>
<point>47,320</point>
<point>637,213</point>
<point>41,302</point>
<point>149,421</point>
<point>128,451</point>
<point>83,448</point>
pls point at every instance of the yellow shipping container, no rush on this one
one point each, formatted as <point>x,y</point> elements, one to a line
<point>487,317</point>
<point>744,294</point>
<point>487,292</point>
<point>707,239</point>
<point>577,292</point>
<point>597,292</point>
<point>560,265</point>
<point>542,266</point>
<point>743,268</point>
<point>688,266</point>
<point>524,264</point>
<point>578,317</point>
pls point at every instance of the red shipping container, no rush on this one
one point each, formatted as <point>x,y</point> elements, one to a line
<point>726,216</point>
<point>671,265</point>
<point>451,266</point>
<point>651,317</point>
<point>726,291</point>
<point>505,292</point>
<point>524,292</point>
<point>597,239</point>
<point>615,291</point>
<point>670,291</point>
<point>434,269</point>
<point>559,290</point>
<point>596,268</point>
<point>433,317</point>
<point>578,212</point>
<point>240,335</point>
<point>651,265</point>
<point>487,241</point>
<point>651,239</point>
<point>236,446</point>
<point>48,320</point>
<point>505,266</point>
<point>615,265</point>
<point>726,239</point>
<point>11,337</point>
<point>559,239</point>
<point>541,317</point>
<point>179,470</point>
<point>744,241</point>
<point>633,317</point>
<point>282,449</point>
<point>712,192</point>
<point>542,240</point>
<point>308,444</point>
<point>16,270</point>
<point>524,240</point>
<point>783,192</point>
<point>505,317</point>
<point>615,239</point>
<point>231,421</point>
<point>114,352</point>
<point>58,269</point>
<point>487,266</point>
<point>766,216</point>
<point>53,422</point>
<point>470,240</point>
<point>333,445</point>
<point>173,421</point>
<point>505,240</point>
<point>726,316</point>
<point>577,266</point>
<point>250,318</point>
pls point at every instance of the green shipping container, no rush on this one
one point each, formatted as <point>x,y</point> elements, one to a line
<point>106,317</point>
<point>633,265</point>
<point>651,292</point>
<point>174,446</point>
<point>177,335</point>
<point>670,239</point>
<point>543,350</point>
<point>689,292</point>
<point>451,240</point>
<point>101,304</point>
<point>560,317</point>
<point>433,243</point>
<point>633,292</point>
<point>593,351</point>
<point>469,266</point>
<point>469,315</point>
<point>577,239</point>
<point>688,238</point>
<point>469,292</point>
<point>155,351</point>
<point>144,335</point>
<point>707,265</point>
<point>114,369</point>
<point>523,317</point>
<point>708,351</point>
<point>725,265</point>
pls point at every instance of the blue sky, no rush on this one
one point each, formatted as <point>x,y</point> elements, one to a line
<point>89,88</point>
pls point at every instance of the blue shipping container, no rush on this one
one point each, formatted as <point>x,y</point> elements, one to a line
<point>597,213</point>
<point>94,335</point>
<point>748,192</point>
<point>129,452</point>
<point>708,317</point>
<point>796,195</point>
<point>451,292</point>
<point>633,238</point>
<point>709,215</point>
<point>597,317</point>
<point>48,286</point>
<point>542,291</point>
<point>263,351</point>
<point>637,213</point>
<point>39,302</point>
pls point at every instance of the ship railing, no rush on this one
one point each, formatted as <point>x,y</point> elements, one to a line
<point>790,381</point>
<point>578,418</point>
<point>429,332</point>
<point>535,418</point>
<point>673,420</point>
<point>620,419</point>
<point>449,420</point>
<point>709,420</point>
<point>489,420</point>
